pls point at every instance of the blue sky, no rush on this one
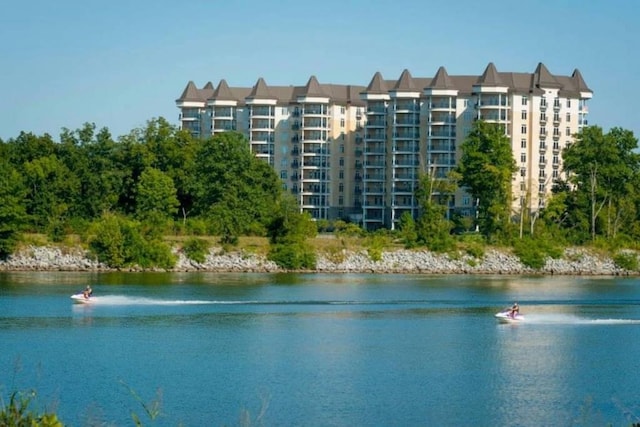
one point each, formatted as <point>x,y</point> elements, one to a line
<point>120,63</point>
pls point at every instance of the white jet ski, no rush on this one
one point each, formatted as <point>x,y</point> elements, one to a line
<point>505,316</point>
<point>79,298</point>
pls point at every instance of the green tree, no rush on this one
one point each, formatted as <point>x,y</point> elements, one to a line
<point>433,228</point>
<point>486,169</point>
<point>156,196</point>
<point>53,188</point>
<point>235,190</point>
<point>288,232</point>
<point>603,168</point>
<point>12,211</point>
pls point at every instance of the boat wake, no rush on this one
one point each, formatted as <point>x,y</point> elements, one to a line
<point>564,319</point>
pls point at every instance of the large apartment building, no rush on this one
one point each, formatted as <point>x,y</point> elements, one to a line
<point>356,152</point>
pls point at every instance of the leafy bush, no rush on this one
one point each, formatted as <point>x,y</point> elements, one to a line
<point>17,413</point>
<point>119,242</point>
<point>298,256</point>
<point>626,260</point>
<point>534,252</point>
<point>196,249</point>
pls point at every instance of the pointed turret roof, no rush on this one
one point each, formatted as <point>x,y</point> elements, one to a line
<point>543,78</point>
<point>190,93</point>
<point>579,81</point>
<point>208,86</point>
<point>260,90</point>
<point>223,92</point>
<point>377,84</point>
<point>313,88</point>
<point>442,80</point>
<point>405,82</point>
<point>490,77</point>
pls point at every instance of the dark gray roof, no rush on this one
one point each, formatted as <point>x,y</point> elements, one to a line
<point>260,90</point>
<point>441,80</point>
<point>519,82</point>
<point>491,77</point>
<point>313,88</point>
<point>543,78</point>
<point>223,92</point>
<point>377,85</point>
<point>405,83</point>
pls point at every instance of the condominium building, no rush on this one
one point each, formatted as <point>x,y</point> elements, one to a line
<point>356,152</point>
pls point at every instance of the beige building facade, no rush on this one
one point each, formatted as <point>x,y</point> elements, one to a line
<point>356,152</point>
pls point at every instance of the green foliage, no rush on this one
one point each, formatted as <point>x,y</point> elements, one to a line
<point>486,169</point>
<point>196,249</point>
<point>18,413</point>
<point>350,229</point>
<point>375,244</point>
<point>408,232</point>
<point>119,242</point>
<point>534,252</point>
<point>293,256</point>
<point>13,215</point>
<point>156,195</point>
<point>626,260</point>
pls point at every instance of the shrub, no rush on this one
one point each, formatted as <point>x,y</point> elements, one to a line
<point>119,242</point>
<point>534,252</point>
<point>18,413</point>
<point>196,249</point>
<point>626,260</point>
<point>298,256</point>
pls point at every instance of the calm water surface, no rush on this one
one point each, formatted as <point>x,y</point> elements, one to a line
<point>323,350</point>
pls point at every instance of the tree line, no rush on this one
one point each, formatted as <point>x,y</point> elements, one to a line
<point>122,196</point>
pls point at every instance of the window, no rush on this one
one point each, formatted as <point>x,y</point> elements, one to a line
<point>568,131</point>
<point>524,115</point>
<point>541,188</point>
<point>568,103</point>
<point>341,110</point>
<point>542,174</point>
<point>523,157</point>
<point>524,100</point>
<point>523,171</point>
<point>543,145</point>
<point>523,143</point>
<point>342,148</point>
<point>542,159</point>
<point>568,117</point>
<point>523,129</point>
<point>341,123</point>
<point>555,173</point>
<point>341,174</point>
<point>465,201</point>
<point>341,161</point>
<point>341,188</point>
<point>283,174</point>
<point>556,160</point>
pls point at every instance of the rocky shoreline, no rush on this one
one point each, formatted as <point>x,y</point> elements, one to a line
<point>575,262</point>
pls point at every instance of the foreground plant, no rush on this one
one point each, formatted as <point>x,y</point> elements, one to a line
<point>18,413</point>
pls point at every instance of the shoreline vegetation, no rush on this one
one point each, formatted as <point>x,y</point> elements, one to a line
<point>332,256</point>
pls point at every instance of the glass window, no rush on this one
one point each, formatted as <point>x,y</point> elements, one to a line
<point>523,129</point>
<point>523,143</point>
<point>525,100</point>
<point>524,115</point>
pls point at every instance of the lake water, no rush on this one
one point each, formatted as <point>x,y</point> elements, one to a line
<point>323,350</point>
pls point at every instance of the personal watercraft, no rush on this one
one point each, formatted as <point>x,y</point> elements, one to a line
<point>505,316</point>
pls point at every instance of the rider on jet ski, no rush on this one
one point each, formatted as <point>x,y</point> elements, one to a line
<point>87,292</point>
<point>514,310</point>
